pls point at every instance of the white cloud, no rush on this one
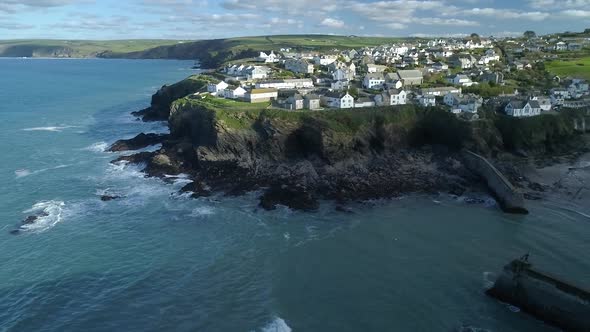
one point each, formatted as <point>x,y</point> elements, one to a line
<point>332,23</point>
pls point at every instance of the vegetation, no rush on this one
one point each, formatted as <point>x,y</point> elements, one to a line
<point>488,90</point>
<point>576,68</point>
<point>214,52</point>
<point>76,48</point>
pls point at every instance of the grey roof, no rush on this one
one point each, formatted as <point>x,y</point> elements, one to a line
<point>409,74</point>
<point>375,76</point>
<point>311,97</point>
<point>517,104</point>
<point>296,97</point>
<point>534,104</point>
<point>336,94</point>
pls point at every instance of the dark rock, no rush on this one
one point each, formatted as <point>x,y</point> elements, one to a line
<point>106,198</point>
<point>138,158</point>
<point>472,200</point>
<point>344,209</point>
<point>15,232</point>
<point>32,219</point>
<point>198,189</point>
<point>536,186</point>
<point>138,142</point>
<point>294,197</point>
<point>532,196</point>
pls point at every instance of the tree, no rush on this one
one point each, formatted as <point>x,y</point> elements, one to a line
<point>475,37</point>
<point>530,34</point>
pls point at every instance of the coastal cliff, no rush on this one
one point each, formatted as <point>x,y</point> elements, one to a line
<point>299,158</point>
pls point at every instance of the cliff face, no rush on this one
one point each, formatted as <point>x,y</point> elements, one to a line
<point>162,100</point>
<point>297,158</point>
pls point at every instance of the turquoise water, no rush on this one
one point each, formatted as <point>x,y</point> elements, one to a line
<point>159,261</point>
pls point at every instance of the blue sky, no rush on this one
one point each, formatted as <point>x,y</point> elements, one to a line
<point>205,19</point>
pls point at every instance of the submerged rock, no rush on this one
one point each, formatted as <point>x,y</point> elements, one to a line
<point>138,142</point>
<point>294,197</point>
<point>106,198</point>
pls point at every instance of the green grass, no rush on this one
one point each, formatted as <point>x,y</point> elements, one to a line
<point>77,48</point>
<point>578,68</point>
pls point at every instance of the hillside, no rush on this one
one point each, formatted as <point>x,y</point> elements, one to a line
<point>214,52</point>
<point>75,48</point>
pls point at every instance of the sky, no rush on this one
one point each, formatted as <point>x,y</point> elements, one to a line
<point>206,19</point>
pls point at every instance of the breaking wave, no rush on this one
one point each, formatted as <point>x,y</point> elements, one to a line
<point>97,147</point>
<point>20,173</point>
<point>277,325</point>
<point>49,214</point>
<point>49,128</point>
<point>202,211</point>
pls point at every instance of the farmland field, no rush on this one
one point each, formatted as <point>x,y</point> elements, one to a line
<point>578,68</point>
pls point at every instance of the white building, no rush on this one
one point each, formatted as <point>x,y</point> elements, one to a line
<point>268,58</point>
<point>460,79</point>
<point>233,93</point>
<point>519,108</point>
<point>427,100</point>
<point>440,91</point>
<point>338,100</point>
<point>324,60</point>
<point>372,68</point>
<point>286,84</point>
<point>373,81</point>
<point>261,95</point>
<point>391,97</point>
<point>217,88</point>
<point>300,66</point>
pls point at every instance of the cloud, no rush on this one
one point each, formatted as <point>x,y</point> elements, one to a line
<point>332,23</point>
<point>507,14</point>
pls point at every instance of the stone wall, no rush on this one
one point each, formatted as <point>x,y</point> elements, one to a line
<point>510,199</point>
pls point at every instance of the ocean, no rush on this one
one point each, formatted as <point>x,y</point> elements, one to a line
<point>157,260</point>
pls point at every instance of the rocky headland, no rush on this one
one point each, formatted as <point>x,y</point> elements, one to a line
<point>299,158</point>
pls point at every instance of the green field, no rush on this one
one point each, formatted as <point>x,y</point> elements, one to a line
<point>578,68</point>
<point>76,48</point>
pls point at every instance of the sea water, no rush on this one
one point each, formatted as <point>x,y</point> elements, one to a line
<point>157,260</point>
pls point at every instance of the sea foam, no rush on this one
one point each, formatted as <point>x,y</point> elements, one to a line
<point>21,173</point>
<point>277,325</point>
<point>50,214</point>
<point>49,128</point>
<point>97,147</point>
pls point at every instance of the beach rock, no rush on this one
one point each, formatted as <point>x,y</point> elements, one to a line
<point>138,158</point>
<point>294,197</point>
<point>107,198</point>
<point>198,189</point>
<point>138,142</point>
<point>33,218</point>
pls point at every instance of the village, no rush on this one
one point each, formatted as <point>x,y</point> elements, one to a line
<point>463,75</point>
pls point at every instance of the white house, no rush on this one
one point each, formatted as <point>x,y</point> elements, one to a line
<point>233,93</point>
<point>391,97</point>
<point>324,60</point>
<point>440,91</point>
<point>295,102</point>
<point>427,100</point>
<point>460,79</point>
<point>268,58</point>
<point>544,103</point>
<point>285,84</point>
<point>440,66</point>
<point>338,100</point>
<point>410,77</point>
<point>519,108</point>
<point>311,102</point>
<point>300,66</point>
<point>463,103</point>
<point>343,74</point>
<point>261,95</point>
<point>217,88</point>
<point>372,68</point>
<point>373,81</point>
<point>339,85</point>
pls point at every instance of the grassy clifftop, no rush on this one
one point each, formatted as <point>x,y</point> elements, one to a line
<point>214,52</point>
<point>76,48</point>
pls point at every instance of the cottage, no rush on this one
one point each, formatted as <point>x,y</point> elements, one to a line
<point>324,60</point>
<point>295,102</point>
<point>300,66</point>
<point>440,91</point>
<point>217,88</point>
<point>460,79</point>
<point>373,81</point>
<point>311,101</point>
<point>234,93</point>
<point>544,102</point>
<point>391,97</point>
<point>364,102</point>
<point>268,58</point>
<point>496,78</point>
<point>463,61</point>
<point>343,74</point>
<point>410,77</point>
<point>372,68</point>
<point>261,95</point>
<point>339,85</point>
<point>463,103</point>
<point>427,100</point>
<point>338,100</point>
<point>518,108</point>
<point>285,84</point>
<point>439,66</point>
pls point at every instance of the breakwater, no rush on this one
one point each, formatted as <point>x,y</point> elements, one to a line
<point>546,297</point>
<point>510,199</point>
